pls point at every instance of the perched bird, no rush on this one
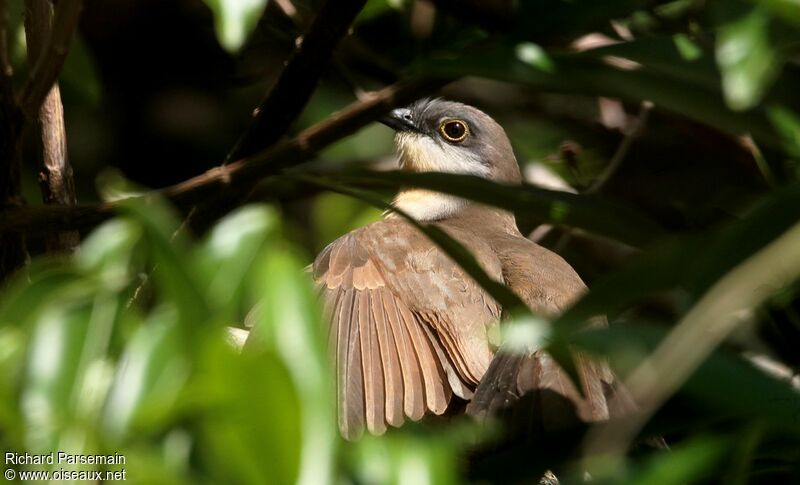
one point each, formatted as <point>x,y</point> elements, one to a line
<point>409,328</point>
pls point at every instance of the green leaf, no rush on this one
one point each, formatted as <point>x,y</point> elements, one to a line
<point>687,463</point>
<point>23,300</point>
<point>176,277</point>
<point>251,428</point>
<point>289,325</point>
<point>787,124</point>
<point>234,20</point>
<point>725,382</point>
<point>229,253</point>
<point>748,60</point>
<point>535,56</point>
<point>149,378</point>
<point>108,251</point>
<point>786,10</point>
<point>80,74</point>
<point>407,458</point>
<point>53,374</point>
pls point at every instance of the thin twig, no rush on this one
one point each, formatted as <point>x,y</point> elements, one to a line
<point>48,65</point>
<point>238,177</point>
<point>622,150</point>
<point>298,80</point>
<point>55,176</point>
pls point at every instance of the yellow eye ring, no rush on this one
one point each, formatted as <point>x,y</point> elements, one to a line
<point>454,130</point>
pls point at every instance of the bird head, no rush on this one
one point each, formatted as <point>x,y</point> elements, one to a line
<point>434,135</point>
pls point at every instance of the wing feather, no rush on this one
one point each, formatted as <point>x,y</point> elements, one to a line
<point>436,397</point>
<point>372,366</point>
<point>391,362</point>
<point>396,305</point>
<point>414,395</point>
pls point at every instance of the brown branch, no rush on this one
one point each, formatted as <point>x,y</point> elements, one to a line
<point>55,176</point>
<point>238,177</point>
<point>298,80</point>
<point>48,65</point>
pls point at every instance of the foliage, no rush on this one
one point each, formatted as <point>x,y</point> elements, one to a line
<point>678,132</point>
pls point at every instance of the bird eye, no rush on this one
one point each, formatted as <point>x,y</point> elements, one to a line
<point>454,130</point>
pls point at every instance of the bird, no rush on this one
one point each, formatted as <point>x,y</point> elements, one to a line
<point>409,331</point>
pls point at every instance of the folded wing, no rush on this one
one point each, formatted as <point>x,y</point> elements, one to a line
<point>407,326</point>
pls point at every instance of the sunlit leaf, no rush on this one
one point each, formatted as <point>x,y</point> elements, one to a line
<point>230,252</point>
<point>149,377</point>
<point>289,324</point>
<point>234,20</point>
<point>252,431</point>
<point>747,58</point>
<point>787,123</point>
<point>53,374</point>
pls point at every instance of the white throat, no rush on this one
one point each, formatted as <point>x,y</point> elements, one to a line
<point>426,205</point>
<point>420,153</point>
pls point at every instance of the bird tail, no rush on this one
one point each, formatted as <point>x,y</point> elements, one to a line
<point>535,385</point>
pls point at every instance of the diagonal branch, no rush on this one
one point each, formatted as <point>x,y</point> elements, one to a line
<point>298,80</point>
<point>48,65</point>
<point>238,177</point>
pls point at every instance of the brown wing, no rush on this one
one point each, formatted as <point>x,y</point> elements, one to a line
<point>548,285</point>
<point>407,326</point>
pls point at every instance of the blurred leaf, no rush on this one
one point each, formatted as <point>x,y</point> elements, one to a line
<point>230,252</point>
<point>252,431</point>
<point>234,20</point>
<point>787,10</point>
<point>747,58</point>
<point>687,463</point>
<point>80,74</point>
<point>334,214</point>
<point>725,382</point>
<point>53,374</point>
<point>787,124</point>
<point>149,378</point>
<point>24,299</point>
<point>688,49</point>
<point>16,34</point>
<point>414,456</point>
<point>535,56</point>
<point>107,253</point>
<point>376,8</point>
<point>289,325</point>
<point>176,277</point>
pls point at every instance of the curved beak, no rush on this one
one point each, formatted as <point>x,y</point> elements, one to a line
<point>399,119</point>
